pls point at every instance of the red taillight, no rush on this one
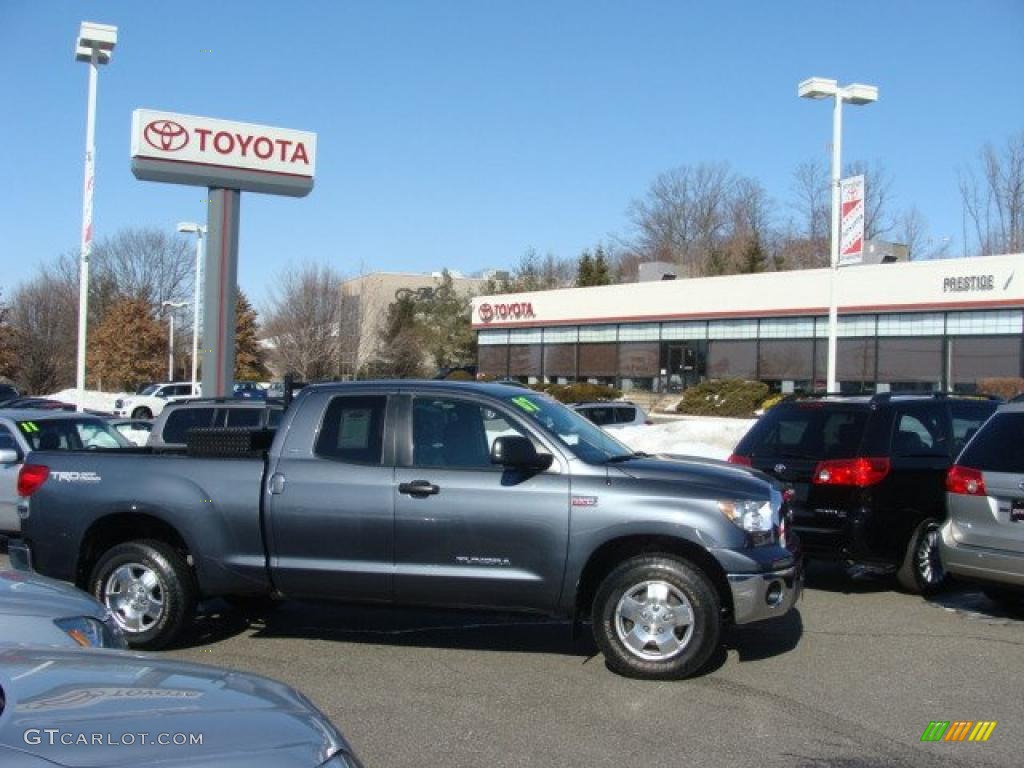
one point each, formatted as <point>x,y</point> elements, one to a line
<point>857,472</point>
<point>965,481</point>
<point>743,461</point>
<point>31,477</point>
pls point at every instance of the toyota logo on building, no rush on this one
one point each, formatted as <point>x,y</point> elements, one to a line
<point>486,312</point>
<point>166,135</point>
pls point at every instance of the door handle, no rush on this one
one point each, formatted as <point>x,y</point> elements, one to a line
<point>277,483</point>
<point>419,488</point>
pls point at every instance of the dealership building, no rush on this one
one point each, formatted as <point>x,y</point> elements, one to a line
<point>922,326</point>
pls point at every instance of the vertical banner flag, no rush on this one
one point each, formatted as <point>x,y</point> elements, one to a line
<point>851,227</point>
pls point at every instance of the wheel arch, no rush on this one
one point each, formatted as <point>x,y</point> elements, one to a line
<point>615,551</point>
<point>118,528</point>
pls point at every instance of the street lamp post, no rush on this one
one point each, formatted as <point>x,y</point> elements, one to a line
<point>170,345</point>
<point>200,230</point>
<point>94,45</point>
<point>856,94</point>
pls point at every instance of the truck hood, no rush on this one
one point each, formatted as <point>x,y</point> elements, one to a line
<point>23,593</point>
<point>243,719</point>
<point>697,471</point>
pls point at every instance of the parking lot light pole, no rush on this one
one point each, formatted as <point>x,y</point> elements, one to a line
<point>170,345</point>
<point>857,94</point>
<point>200,230</point>
<point>95,44</point>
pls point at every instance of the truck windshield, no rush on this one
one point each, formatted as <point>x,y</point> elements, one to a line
<point>581,437</point>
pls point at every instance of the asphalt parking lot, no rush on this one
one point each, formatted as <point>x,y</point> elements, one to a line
<point>850,680</point>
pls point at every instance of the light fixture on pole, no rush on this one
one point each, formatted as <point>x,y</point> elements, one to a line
<point>857,94</point>
<point>170,345</point>
<point>200,230</point>
<point>94,45</point>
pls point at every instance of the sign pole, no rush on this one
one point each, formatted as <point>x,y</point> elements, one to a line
<point>833,309</point>
<point>220,278</point>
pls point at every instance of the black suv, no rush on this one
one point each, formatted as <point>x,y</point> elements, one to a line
<point>867,475</point>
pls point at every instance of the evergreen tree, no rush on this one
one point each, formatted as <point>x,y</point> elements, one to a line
<point>753,258</point>
<point>585,270</point>
<point>128,347</point>
<point>601,272</point>
<point>250,357</point>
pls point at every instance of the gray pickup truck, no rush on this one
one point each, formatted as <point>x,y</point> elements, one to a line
<point>425,493</point>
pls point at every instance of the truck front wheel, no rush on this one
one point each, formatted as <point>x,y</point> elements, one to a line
<point>656,618</point>
<point>148,587</point>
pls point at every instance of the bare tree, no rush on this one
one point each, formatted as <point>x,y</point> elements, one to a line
<point>683,215</point>
<point>995,202</point>
<point>807,239</point>
<point>304,322</point>
<point>43,320</point>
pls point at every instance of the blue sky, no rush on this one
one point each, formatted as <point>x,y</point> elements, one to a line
<point>458,134</point>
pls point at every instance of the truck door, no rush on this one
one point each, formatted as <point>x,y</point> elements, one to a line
<point>330,497</point>
<point>468,532</point>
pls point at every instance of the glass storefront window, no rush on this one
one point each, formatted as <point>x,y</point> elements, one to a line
<point>786,360</point>
<point>905,364</point>
<point>732,359</point>
<point>524,360</point>
<point>559,360</point>
<point>972,358</point>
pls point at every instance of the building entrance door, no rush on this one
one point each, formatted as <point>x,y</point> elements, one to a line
<point>685,365</point>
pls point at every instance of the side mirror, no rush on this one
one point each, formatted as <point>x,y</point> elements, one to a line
<point>517,451</point>
<point>9,456</point>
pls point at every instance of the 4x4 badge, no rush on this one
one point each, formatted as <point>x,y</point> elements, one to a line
<point>780,468</point>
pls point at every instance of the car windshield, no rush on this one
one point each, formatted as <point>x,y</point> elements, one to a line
<point>70,434</point>
<point>150,389</point>
<point>581,437</point>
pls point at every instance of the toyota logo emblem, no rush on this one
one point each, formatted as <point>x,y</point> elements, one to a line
<point>486,312</point>
<point>780,468</point>
<point>166,135</point>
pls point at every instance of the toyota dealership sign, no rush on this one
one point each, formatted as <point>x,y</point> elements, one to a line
<point>203,151</point>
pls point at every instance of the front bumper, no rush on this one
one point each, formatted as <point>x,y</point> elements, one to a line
<point>985,564</point>
<point>20,555</point>
<point>760,596</point>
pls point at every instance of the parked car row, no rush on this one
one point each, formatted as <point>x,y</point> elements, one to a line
<point>920,486</point>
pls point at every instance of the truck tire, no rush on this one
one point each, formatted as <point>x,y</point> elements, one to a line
<point>142,413</point>
<point>149,588</point>
<point>656,617</point>
<point>921,572</point>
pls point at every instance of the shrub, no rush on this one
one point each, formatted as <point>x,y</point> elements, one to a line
<point>724,397</point>
<point>581,392</point>
<point>772,400</point>
<point>1006,388</point>
<point>460,375</point>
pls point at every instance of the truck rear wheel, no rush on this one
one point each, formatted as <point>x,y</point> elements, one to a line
<point>657,618</point>
<point>148,587</point>
<point>142,413</point>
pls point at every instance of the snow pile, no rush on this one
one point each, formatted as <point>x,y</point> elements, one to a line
<point>94,401</point>
<point>710,437</point>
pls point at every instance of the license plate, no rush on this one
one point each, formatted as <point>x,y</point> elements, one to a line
<point>1017,511</point>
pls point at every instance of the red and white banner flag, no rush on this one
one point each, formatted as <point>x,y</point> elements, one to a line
<point>851,227</point>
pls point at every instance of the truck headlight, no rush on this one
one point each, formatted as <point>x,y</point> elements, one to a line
<point>755,517</point>
<point>92,633</point>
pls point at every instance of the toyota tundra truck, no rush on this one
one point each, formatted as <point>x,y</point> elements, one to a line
<point>422,493</point>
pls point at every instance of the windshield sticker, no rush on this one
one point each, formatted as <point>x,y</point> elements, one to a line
<point>525,404</point>
<point>28,427</point>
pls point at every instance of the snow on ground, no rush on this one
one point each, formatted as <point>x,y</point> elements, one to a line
<point>94,401</point>
<point>707,436</point>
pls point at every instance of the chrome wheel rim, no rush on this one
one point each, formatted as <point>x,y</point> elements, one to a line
<point>135,596</point>
<point>929,566</point>
<point>654,620</point>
